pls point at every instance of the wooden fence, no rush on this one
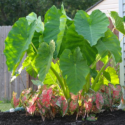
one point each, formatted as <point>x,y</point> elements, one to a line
<point>6,88</point>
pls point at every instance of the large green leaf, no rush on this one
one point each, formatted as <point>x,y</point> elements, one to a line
<point>44,58</point>
<point>17,42</point>
<point>118,22</point>
<point>74,69</point>
<point>92,27</point>
<point>73,40</point>
<point>110,43</point>
<point>55,22</point>
<point>113,76</point>
<point>39,24</point>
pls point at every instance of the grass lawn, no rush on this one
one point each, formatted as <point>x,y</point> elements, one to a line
<point>5,106</point>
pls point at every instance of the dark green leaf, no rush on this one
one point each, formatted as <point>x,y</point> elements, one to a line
<point>73,40</point>
<point>55,22</point>
<point>74,69</point>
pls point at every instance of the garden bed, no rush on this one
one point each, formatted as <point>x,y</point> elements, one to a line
<point>20,118</point>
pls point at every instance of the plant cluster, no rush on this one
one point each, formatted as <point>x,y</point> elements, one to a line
<point>63,53</point>
<point>48,102</point>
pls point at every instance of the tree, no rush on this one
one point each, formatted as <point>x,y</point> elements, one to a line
<point>11,10</point>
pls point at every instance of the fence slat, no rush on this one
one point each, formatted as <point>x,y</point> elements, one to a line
<point>1,63</point>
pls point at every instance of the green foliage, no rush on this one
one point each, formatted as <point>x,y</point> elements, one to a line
<point>113,76</point>
<point>118,22</point>
<point>29,62</point>
<point>33,17</point>
<point>44,58</point>
<point>63,52</point>
<point>50,78</point>
<point>107,75</point>
<point>17,42</point>
<point>54,19</point>
<point>92,27</point>
<point>109,43</point>
<point>74,69</point>
<point>69,42</point>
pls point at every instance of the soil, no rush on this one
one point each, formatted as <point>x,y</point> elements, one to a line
<point>20,118</point>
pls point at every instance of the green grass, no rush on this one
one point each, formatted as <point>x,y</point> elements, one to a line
<point>5,106</point>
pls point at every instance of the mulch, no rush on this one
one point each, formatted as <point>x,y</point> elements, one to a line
<point>21,118</point>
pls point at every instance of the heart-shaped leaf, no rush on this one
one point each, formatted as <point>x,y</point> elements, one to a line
<point>17,42</point>
<point>74,69</point>
<point>92,27</point>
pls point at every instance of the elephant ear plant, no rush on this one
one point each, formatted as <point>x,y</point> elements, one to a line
<point>63,52</point>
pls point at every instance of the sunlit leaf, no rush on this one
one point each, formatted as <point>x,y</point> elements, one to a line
<point>113,75</point>
<point>17,42</point>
